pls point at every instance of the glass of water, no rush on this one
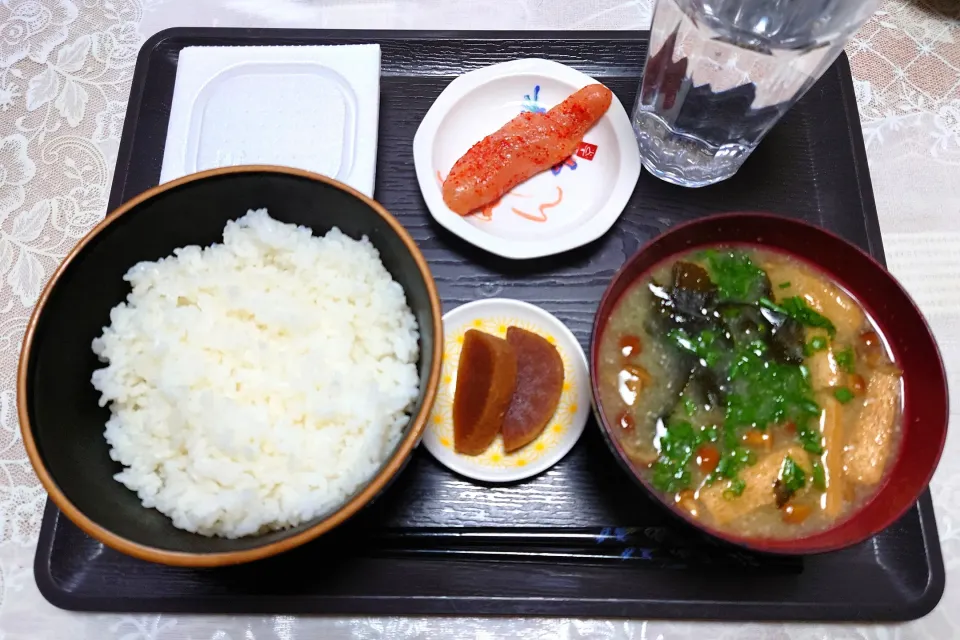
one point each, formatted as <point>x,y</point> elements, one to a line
<point>720,73</point>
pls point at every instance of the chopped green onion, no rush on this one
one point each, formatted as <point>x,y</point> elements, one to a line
<point>810,438</point>
<point>819,476</point>
<point>735,275</point>
<point>847,360</point>
<point>793,477</point>
<point>798,309</point>
<point>843,394</point>
<point>678,446</point>
<point>818,343</point>
<point>734,489</point>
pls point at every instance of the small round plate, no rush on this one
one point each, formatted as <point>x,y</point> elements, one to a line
<point>570,205</point>
<point>562,432</point>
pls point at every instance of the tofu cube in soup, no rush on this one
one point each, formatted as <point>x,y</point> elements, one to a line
<point>823,296</point>
<point>759,488</point>
<point>870,439</point>
<point>822,363</point>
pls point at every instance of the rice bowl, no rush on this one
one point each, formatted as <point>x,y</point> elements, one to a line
<point>257,384</point>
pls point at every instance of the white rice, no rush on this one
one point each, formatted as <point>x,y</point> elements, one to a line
<point>258,383</point>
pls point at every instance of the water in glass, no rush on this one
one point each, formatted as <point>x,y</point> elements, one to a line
<point>720,73</point>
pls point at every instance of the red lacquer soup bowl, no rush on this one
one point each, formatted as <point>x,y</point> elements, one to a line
<point>925,400</point>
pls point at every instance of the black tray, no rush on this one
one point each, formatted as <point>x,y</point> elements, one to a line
<point>811,166</point>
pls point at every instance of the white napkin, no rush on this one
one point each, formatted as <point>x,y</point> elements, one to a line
<point>309,107</point>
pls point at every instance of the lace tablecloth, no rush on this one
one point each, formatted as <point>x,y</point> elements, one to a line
<point>65,70</point>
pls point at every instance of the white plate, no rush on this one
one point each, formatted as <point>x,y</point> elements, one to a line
<point>494,465</point>
<point>557,210</point>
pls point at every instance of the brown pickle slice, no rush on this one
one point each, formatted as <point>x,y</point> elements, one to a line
<point>539,385</point>
<point>486,379</point>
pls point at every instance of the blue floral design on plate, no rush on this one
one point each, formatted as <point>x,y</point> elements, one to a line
<point>569,162</point>
<point>533,104</point>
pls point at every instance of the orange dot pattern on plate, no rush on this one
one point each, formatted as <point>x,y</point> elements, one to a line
<point>441,421</point>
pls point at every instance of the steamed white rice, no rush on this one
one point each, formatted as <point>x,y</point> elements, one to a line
<point>258,383</point>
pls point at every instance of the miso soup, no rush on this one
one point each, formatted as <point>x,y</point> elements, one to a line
<point>751,390</point>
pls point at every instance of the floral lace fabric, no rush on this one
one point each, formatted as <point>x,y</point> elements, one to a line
<point>65,71</point>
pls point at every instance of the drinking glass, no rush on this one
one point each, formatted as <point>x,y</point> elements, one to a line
<point>720,73</point>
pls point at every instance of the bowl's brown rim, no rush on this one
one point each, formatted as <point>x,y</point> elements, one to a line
<point>185,559</point>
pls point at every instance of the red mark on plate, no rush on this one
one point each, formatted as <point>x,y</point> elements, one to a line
<point>542,216</point>
<point>486,213</point>
<point>586,151</point>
